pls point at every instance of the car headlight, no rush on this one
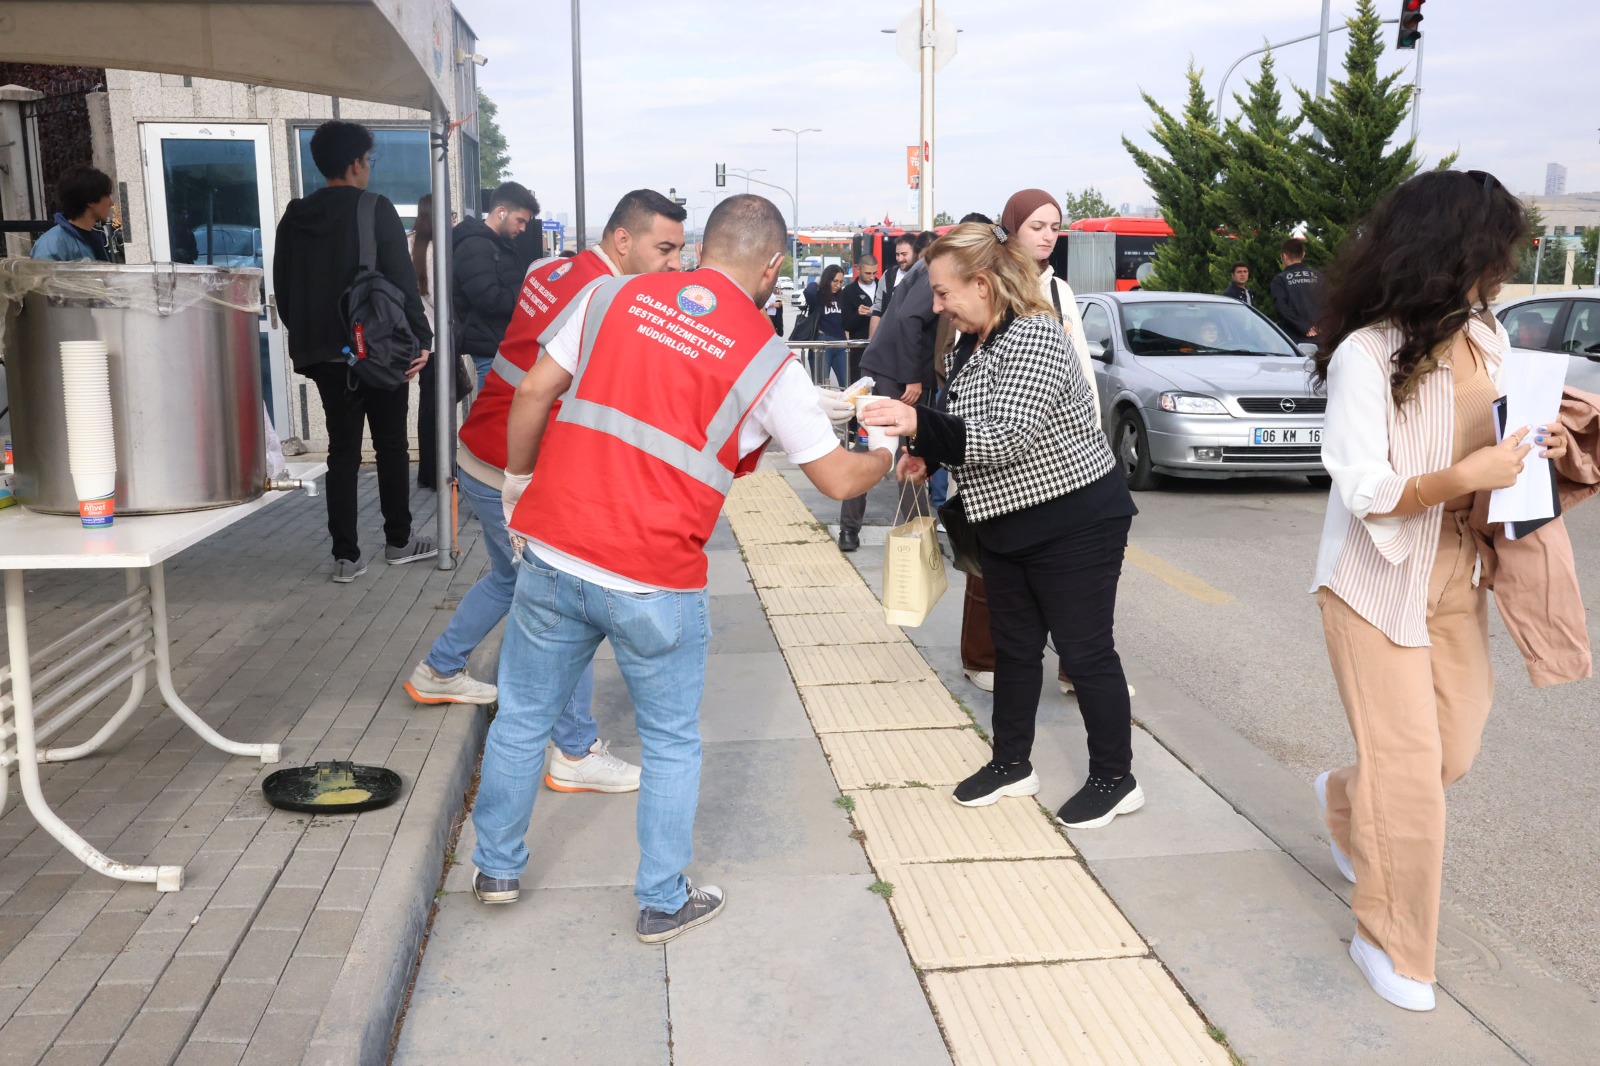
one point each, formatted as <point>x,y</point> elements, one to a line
<point>1184,403</point>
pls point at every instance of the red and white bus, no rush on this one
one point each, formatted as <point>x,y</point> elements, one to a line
<point>1137,241</point>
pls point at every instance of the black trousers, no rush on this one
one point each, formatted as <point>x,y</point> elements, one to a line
<point>1065,587</point>
<point>348,412</point>
<point>427,422</point>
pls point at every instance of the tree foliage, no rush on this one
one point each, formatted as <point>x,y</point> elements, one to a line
<point>1257,197</point>
<point>494,158</point>
<point>1088,203</point>
<point>1184,180</point>
<point>944,218</point>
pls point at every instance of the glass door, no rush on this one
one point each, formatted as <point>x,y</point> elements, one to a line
<point>209,189</point>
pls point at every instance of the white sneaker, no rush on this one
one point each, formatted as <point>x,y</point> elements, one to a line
<point>1376,966</point>
<point>984,679</point>
<point>425,686</point>
<point>1340,859</point>
<point>598,771</point>
<point>1067,689</point>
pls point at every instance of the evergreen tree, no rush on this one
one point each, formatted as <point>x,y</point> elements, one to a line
<point>1184,184</point>
<point>944,218</point>
<point>1583,270</point>
<point>1090,203</point>
<point>1352,168</point>
<point>494,158</point>
<point>1257,198</point>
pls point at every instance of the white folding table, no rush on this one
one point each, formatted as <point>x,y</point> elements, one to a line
<point>119,643</point>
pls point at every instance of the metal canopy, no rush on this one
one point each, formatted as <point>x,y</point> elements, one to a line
<point>389,51</point>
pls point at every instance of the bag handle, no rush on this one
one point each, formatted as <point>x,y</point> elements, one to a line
<point>366,227</point>
<point>920,499</point>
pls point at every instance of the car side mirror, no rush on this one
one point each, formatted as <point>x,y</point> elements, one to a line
<point>1098,351</point>
<point>1308,349</point>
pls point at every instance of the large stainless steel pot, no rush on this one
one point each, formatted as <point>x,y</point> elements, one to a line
<point>185,355</point>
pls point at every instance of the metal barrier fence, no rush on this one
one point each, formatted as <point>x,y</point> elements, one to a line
<point>815,356</point>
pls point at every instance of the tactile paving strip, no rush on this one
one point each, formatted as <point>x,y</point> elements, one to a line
<point>854,708</point>
<point>819,554</point>
<point>834,573</point>
<point>763,528</point>
<point>874,664</point>
<point>905,825</point>
<point>827,630</point>
<point>993,913</point>
<point>1113,1012</point>
<point>838,599</point>
<point>899,756</point>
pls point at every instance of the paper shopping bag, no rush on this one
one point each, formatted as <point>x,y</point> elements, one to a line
<point>913,568</point>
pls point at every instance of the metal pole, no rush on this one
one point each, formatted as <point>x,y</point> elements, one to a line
<point>577,122</point>
<point>1322,50</point>
<point>1538,258</point>
<point>925,140</point>
<point>444,352</point>
<point>794,260</point>
<point>1223,84</point>
<point>1416,94</point>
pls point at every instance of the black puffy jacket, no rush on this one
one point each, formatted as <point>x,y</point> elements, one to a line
<point>486,277</point>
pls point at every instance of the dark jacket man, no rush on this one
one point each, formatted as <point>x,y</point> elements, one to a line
<point>487,280</point>
<point>317,254</point>
<point>1297,294</point>
<point>851,300</point>
<point>902,348</point>
<point>1235,291</point>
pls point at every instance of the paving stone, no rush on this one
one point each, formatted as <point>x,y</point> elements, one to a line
<point>997,913</point>
<point>233,1013</point>
<point>348,890</point>
<point>281,1040</point>
<point>898,756</point>
<point>328,934</point>
<point>104,1015</point>
<point>68,984</point>
<point>40,894</point>
<point>186,984</point>
<point>823,630</point>
<point>244,888</point>
<point>905,825</point>
<point>209,1054</point>
<point>76,1055</point>
<point>107,934</point>
<point>305,985</point>
<point>144,959</point>
<point>1110,1011</point>
<point>364,853</point>
<point>750,697</point>
<point>834,600</point>
<point>25,1039</point>
<point>834,573</point>
<point>261,955</point>
<point>287,908</point>
<point>817,553</point>
<point>308,869</point>
<point>854,708</point>
<point>73,913</point>
<point>27,963</point>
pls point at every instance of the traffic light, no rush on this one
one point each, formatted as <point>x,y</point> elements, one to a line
<point>1410,23</point>
<point>722,168</point>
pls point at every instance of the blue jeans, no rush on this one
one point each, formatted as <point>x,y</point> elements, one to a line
<point>661,638</point>
<point>487,602</point>
<point>939,489</point>
<point>483,363</point>
<point>839,365</point>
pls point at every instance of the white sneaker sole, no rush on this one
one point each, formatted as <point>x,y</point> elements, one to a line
<point>1028,786</point>
<point>1347,869</point>
<point>434,697</point>
<point>1413,996</point>
<point>556,784</point>
<point>1128,804</point>
<point>348,578</point>
<point>679,930</point>
<point>411,558</point>
<point>492,898</point>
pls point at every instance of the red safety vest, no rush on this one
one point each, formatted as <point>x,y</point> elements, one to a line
<point>549,292</point>
<point>633,471</point>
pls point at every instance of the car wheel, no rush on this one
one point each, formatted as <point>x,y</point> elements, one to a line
<point>1133,453</point>
<point>1320,481</point>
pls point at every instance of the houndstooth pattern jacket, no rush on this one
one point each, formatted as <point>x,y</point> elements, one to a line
<point>1032,429</point>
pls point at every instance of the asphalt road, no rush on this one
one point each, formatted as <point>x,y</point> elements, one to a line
<point>1215,598</point>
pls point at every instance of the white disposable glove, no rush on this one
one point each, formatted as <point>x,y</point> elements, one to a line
<point>834,404</point>
<point>511,491</point>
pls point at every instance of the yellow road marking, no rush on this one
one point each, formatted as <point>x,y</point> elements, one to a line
<point>1181,580</point>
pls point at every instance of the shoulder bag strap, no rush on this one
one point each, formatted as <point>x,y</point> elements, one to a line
<point>366,226</point>
<point>1055,296</point>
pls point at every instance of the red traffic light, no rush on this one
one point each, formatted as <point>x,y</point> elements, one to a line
<point>1410,23</point>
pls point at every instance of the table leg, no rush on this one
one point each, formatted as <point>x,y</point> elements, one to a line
<point>107,731</point>
<point>166,878</point>
<point>267,753</point>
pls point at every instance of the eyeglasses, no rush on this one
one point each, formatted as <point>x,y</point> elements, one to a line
<point>372,160</point>
<point>1483,178</point>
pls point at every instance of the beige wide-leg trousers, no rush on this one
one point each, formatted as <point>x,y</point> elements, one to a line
<point>1417,715</point>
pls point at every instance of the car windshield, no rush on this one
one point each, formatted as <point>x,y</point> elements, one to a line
<point>1176,327</point>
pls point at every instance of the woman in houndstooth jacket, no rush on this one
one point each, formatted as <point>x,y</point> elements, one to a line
<point>1022,440</point>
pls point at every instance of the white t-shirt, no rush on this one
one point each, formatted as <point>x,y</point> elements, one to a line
<point>787,413</point>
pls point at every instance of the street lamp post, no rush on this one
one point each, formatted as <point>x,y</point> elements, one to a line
<point>745,173</point>
<point>577,122</point>
<point>794,264</point>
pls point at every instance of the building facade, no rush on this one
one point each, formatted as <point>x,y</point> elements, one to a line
<point>1555,180</point>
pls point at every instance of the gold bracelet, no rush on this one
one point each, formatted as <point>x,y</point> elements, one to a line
<point>1416,489</point>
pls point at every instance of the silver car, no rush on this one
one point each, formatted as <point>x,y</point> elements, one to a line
<point>1566,322</point>
<point>1201,386</point>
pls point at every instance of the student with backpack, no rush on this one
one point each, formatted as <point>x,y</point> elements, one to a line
<point>347,294</point>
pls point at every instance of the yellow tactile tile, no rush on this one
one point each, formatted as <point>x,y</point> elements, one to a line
<point>907,825</point>
<point>871,664</point>
<point>853,708</point>
<point>824,630</point>
<point>763,528</point>
<point>836,599</point>
<point>1116,1012</point>
<point>959,914</point>
<point>816,554</point>
<point>834,573</point>
<point>896,756</point>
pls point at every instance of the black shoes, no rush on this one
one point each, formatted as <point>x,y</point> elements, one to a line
<point>495,889</point>
<point>657,927</point>
<point>995,781</point>
<point>1100,800</point>
<point>849,540</point>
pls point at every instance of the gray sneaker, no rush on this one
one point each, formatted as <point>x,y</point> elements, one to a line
<point>703,904</point>
<point>418,547</point>
<point>495,889</point>
<point>347,570</point>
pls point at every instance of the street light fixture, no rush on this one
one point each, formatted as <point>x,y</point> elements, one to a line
<point>794,263</point>
<point>745,172</point>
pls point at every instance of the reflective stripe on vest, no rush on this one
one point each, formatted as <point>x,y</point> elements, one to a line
<point>510,372</point>
<point>702,464</point>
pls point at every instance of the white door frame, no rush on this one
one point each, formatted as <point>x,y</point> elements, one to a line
<point>151,134</point>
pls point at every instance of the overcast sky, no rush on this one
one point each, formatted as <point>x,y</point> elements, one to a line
<point>1040,92</point>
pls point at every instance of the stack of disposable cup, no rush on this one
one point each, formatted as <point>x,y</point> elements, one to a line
<point>91,446</point>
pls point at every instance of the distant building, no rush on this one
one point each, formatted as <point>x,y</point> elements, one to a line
<point>1555,180</point>
<point>1568,216</point>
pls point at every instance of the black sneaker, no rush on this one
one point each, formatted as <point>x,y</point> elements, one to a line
<point>1100,800</point>
<point>849,540</point>
<point>995,781</point>
<point>495,889</point>
<point>703,904</point>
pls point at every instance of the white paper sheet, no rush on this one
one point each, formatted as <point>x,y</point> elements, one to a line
<point>1533,383</point>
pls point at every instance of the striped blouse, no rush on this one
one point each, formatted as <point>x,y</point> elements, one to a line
<point>1371,448</point>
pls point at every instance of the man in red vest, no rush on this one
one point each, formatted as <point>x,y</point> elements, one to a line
<point>670,386</point>
<point>644,235</point>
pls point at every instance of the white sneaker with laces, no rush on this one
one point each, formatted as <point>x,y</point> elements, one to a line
<point>1376,966</point>
<point>1340,859</point>
<point>598,771</point>
<point>984,679</point>
<point>1068,690</point>
<point>425,686</point>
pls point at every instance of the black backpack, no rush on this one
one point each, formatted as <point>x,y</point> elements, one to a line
<point>382,346</point>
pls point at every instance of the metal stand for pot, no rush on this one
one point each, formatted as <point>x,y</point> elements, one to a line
<point>120,643</point>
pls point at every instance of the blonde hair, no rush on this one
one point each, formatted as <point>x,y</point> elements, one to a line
<point>976,249</point>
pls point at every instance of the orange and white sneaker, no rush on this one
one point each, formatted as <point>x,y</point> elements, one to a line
<point>425,686</point>
<point>598,771</point>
